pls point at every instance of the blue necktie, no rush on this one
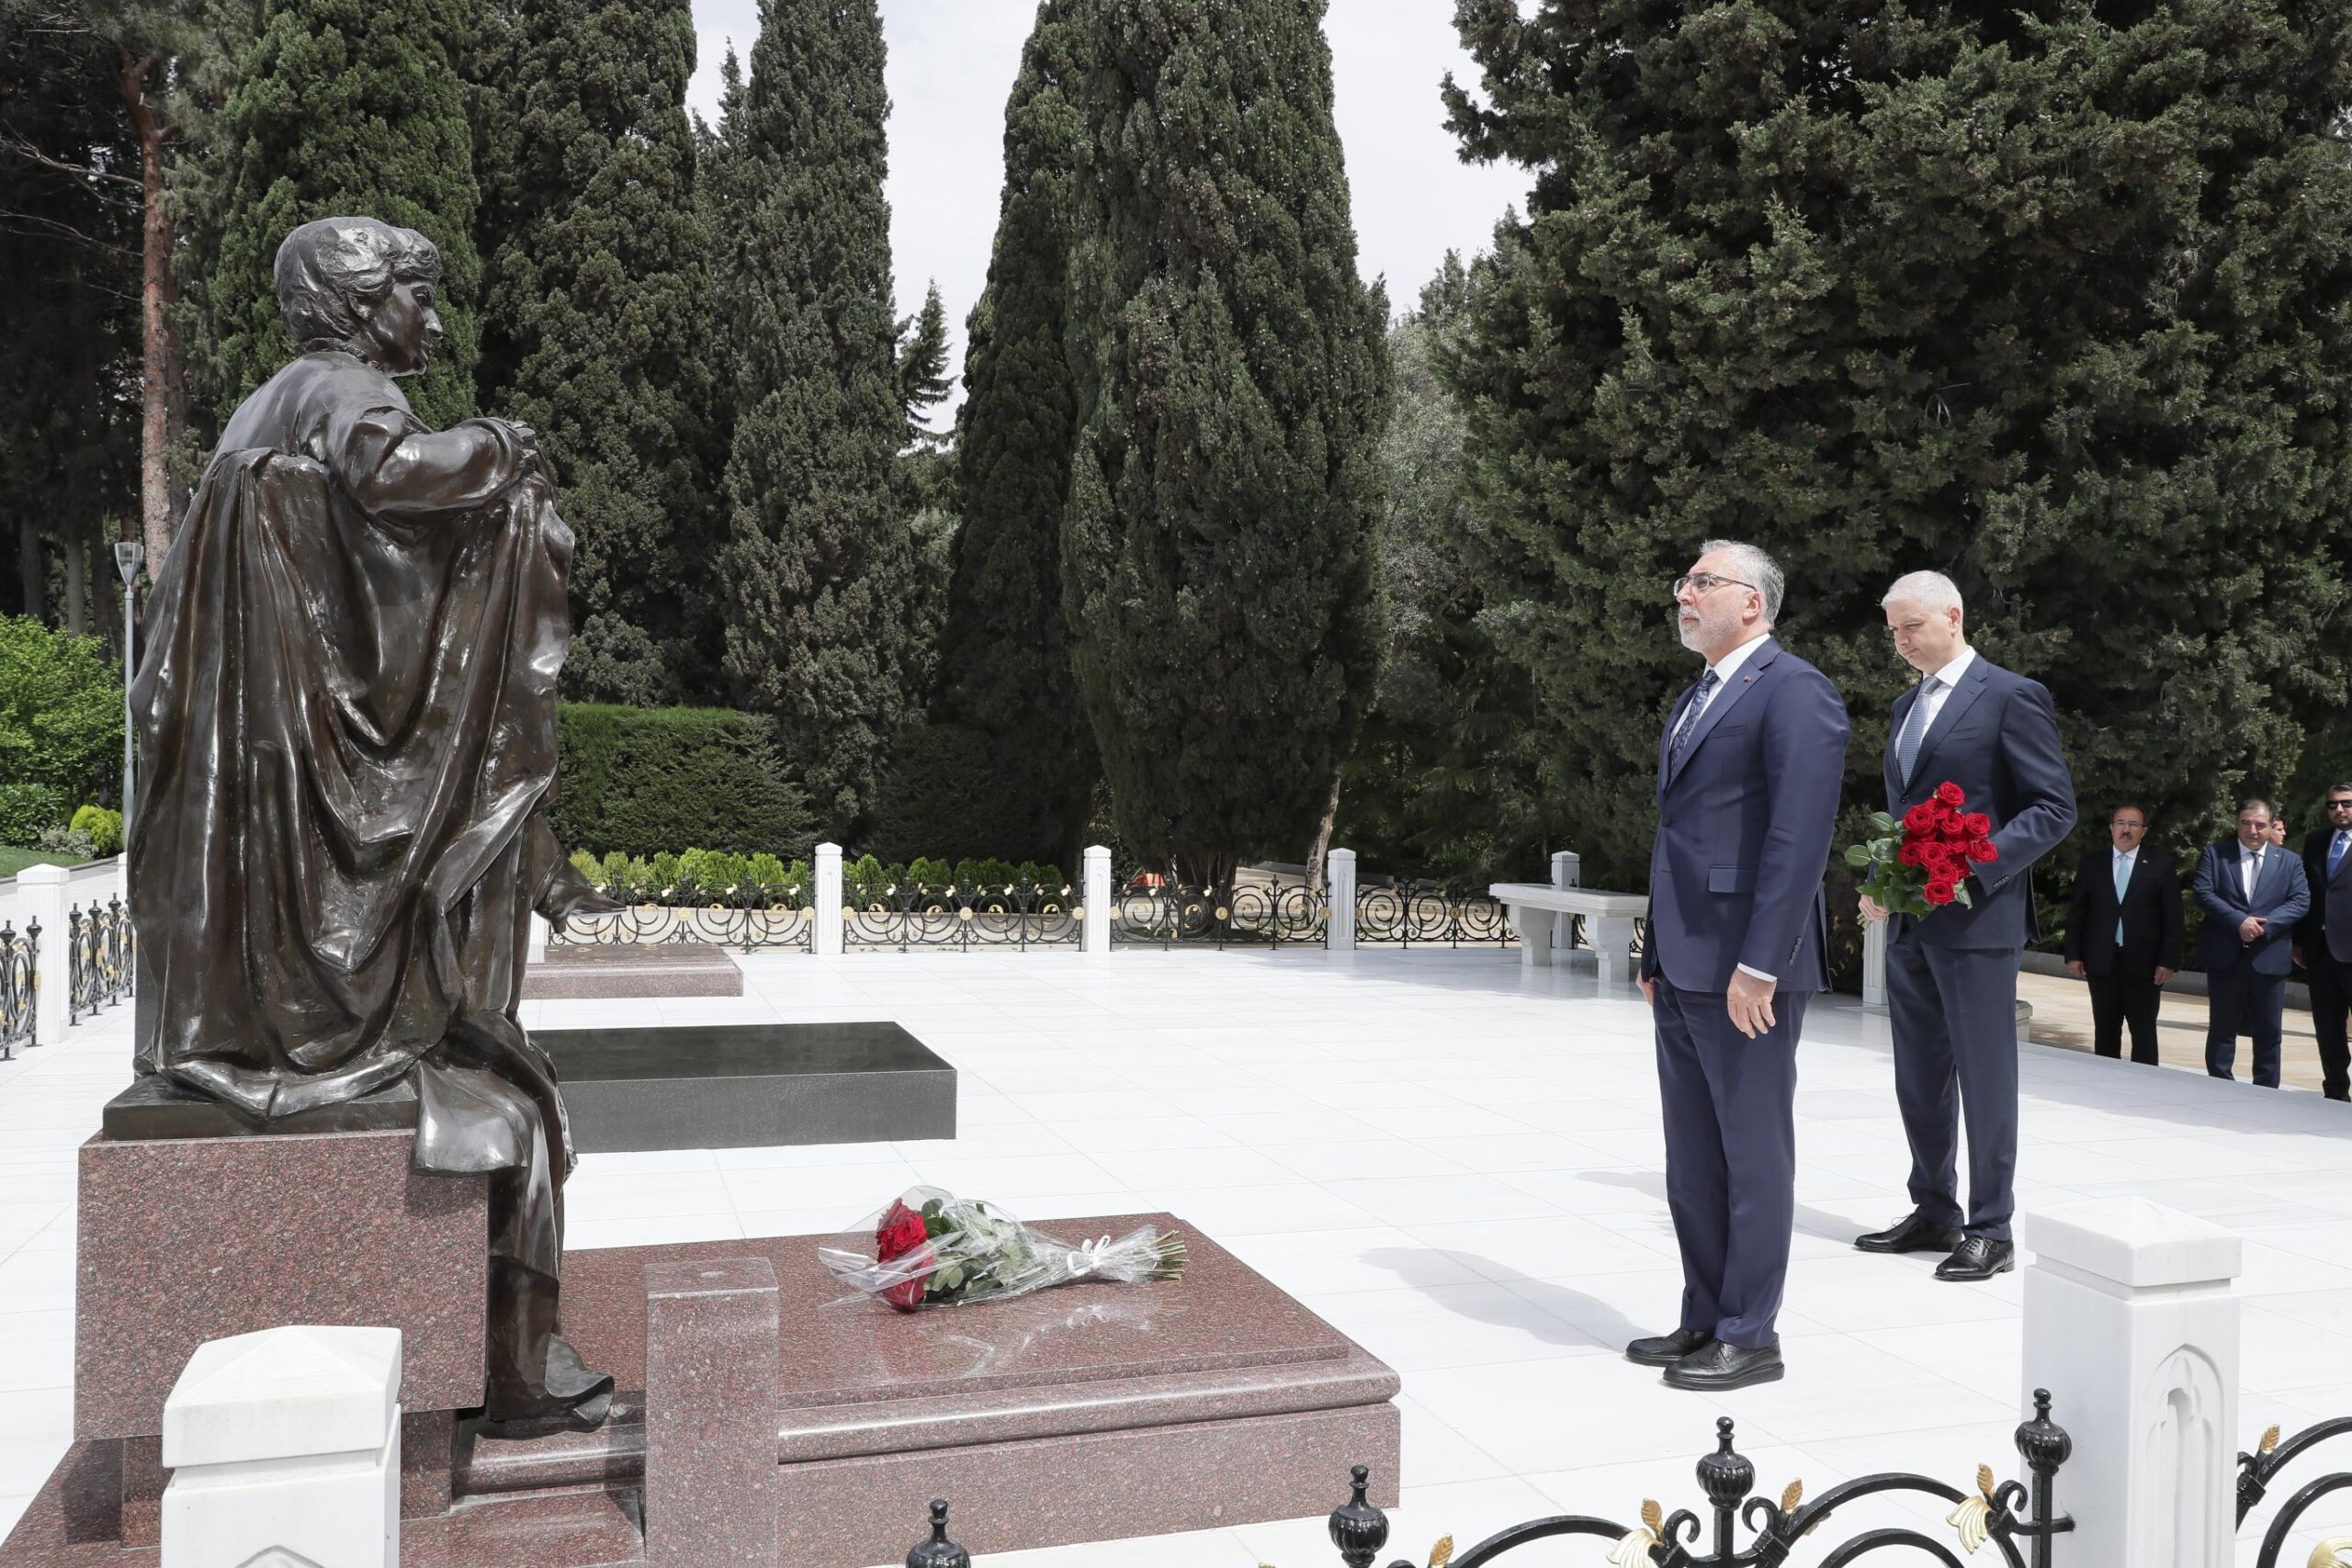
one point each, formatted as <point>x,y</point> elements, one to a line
<point>1689,722</point>
<point>1915,730</point>
<point>2122,880</point>
<point>2335,852</point>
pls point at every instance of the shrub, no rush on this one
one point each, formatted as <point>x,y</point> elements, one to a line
<point>25,810</point>
<point>645,782</point>
<point>61,715</point>
<point>103,824</point>
<point>59,839</point>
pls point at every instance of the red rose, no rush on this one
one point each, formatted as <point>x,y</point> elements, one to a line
<point>1977,824</point>
<point>900,1231</point>
<point>1950,794</point>
<point>1920,819</point>
<point>1909,855</point>
<point>1981,850</point>
<point>907,1294</point>
<point>1939,890</point>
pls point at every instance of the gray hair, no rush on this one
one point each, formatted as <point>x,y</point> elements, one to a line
<point>1928,589</point>
<point>327,268</point>
<point>1755,567</point>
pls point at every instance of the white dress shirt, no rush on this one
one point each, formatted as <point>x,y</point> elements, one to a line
<point>1946,679</point>
<point>2250,868</point>
<point>1725,667</point>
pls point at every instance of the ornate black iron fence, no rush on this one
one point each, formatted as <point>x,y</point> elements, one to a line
<point>1156,911</point>
<point>19,987</point>
<point>1016,914</point>
<point>748,916</point>
<point>2258,1469</point>
<point>2018,1519</point>
<point>97,958</point>
<point>1429,914</point>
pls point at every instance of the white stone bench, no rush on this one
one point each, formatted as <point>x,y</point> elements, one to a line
<point>1534,910</point>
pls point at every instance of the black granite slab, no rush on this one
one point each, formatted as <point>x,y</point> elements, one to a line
<point>752,1085</point>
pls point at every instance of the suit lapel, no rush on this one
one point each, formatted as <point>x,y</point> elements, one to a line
<point>1738,686</point>
<point>1955,709</point>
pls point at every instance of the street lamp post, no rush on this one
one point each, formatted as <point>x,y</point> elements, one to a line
<point>129,556</point>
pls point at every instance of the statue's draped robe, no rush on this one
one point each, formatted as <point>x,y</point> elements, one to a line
<point>347,723</point>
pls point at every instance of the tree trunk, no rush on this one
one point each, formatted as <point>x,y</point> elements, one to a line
<point>164,383</point>
<point>77,588</point>
<point>30,570</point>
<point>1322,850</point>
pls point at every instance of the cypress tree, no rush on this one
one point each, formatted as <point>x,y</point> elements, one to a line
<point>595,325</point>
<point>922,365</point>
<point>1219,546</point>
<point>1005,644</point>
<point>817,567</point>
<point>347,107</point>
<point>2054,300</point>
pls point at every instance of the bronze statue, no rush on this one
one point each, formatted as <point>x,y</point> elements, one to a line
<point>347,719</point>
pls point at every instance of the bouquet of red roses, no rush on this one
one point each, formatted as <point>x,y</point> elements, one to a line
<point>932,1246</point>
<point>1918,865</point>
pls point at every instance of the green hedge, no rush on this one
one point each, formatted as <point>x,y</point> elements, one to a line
<point>643,782</point>
<point>709,877</point>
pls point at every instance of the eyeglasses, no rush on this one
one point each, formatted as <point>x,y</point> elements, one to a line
<point>2340,805</point>
<point>1705,583</point>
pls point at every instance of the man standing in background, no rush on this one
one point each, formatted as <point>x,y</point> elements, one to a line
<point>1952,979</point>
<point>2123,932</point>
<point>2323,944</point>
<point>2252,895</point>
<point>1748,781</point>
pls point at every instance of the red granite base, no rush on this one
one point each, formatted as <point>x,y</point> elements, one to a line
<point>1090,1412</point>
<point>586,970</point>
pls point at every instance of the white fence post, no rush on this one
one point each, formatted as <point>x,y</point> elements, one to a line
<point>1340,901</point>
<point>1874,968</point>
<point>827,901</point>
<point>1567,870</point>
<point>2131,1325</point>
<point>285,1447</point>
<point>540,930</point>
<point>1094,889</point>
<point>40,895</point>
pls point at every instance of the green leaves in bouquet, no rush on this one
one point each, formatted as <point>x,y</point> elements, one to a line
<point>1881,874</point>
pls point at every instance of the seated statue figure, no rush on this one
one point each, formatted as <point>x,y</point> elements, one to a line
<point>347,717</point>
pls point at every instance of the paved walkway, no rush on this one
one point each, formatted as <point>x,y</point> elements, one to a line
<point>2062,1016</point>
<point>1455,1161</point>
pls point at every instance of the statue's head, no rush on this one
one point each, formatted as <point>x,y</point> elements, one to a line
<point>359,283</point>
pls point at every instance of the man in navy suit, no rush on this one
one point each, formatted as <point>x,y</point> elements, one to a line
<point>1952,979</point>
<point>2324,938</point>
<point>1748,773</point>
<point>2253,892</point>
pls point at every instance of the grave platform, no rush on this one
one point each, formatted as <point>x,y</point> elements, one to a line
<point>750,1086</point>
<point>572,971</point>
<point>1087,1412</point>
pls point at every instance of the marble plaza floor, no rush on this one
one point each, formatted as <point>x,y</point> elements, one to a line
<point>1456,1163</point>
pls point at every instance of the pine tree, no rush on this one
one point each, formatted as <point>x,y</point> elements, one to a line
<point>348,108</point>
<point>817,567</point>
<point>1220,547</point>
<point>595,325</point>
<point>2054,300</point>
<point>923,364</point>
<point>1005,674</point>
<point>1444,782</point>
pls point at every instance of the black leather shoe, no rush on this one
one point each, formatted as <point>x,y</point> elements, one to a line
<point>1978,1258</point>
<point>1911,1233</point>
<point>1720,1366</point>
<point>1667,1348</point>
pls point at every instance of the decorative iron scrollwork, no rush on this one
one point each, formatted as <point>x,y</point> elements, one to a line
<point>1150,909</point>
<point>97,958</point>
<point>747,916</point>
<point>906,915</point>
<point>1429,914</point>
<point>19,987</point>
<point>2258,1469</point>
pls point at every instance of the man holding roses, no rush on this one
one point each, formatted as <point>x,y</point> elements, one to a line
<point>1971,733</point>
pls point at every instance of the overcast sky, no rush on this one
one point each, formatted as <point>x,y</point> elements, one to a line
<point>952,63</point>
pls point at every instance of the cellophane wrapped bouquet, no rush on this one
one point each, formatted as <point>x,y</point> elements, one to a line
<point>930,1248</point>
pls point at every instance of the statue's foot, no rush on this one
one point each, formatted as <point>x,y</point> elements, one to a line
<point>570,1398</point>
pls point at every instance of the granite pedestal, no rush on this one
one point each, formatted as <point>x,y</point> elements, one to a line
<point>574,970</point>
<point>750,1086</point>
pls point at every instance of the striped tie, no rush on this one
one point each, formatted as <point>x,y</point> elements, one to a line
<point>1689,722</point>
<point>1915,730</point>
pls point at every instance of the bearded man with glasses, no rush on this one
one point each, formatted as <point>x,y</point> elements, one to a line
<point>2323,944</point>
